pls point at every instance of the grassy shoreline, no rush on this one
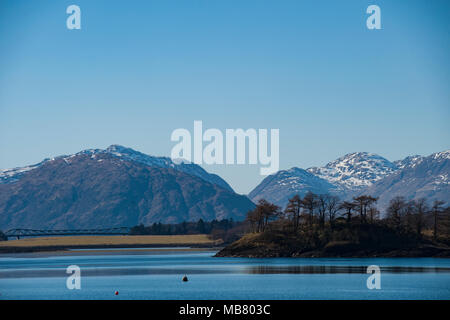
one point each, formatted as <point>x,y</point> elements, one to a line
<point>40,244</point>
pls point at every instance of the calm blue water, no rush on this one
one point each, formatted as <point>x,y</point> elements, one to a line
<point>156,274</point>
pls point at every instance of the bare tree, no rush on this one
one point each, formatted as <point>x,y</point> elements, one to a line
<point>332,209</point>
<point>266,211</point>
<point>396,211</point>
<point>253,219</point>
<point>420,209</point>
<point>409,217</point>
<point>362,204</point>
<point>373,213</point>
<point>310,204</point>
<point>293,209</point>
<point>436,210</point>
<point>348,207</point>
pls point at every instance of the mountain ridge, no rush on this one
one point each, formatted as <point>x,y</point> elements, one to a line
<point>355,170</point>
<point>355,173</point>
<point>294,180</point>
<point>152,189</point>
<point>425,177</point>
<point>93,189</point>
<point>128,154</point>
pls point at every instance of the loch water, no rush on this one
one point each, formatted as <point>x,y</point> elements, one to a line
<point>157,274</point>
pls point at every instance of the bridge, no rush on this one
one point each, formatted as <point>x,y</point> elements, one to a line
<point>75,232</point>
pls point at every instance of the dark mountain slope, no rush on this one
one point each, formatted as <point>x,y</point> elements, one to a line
<point>102,190</point>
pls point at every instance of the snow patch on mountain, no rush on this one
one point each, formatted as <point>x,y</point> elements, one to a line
<point>444,155</point>
<point>409,162</point>
<point>355,170</point>
<point>14,174</point>
<point>125,154</point>
<point>284,184</point>
<point>420,177</point>
<point>296,178</point>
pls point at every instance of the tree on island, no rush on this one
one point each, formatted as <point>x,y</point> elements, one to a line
<point>332,208</point>
<point>316,215</point>
<point>321,225</point>
<point>318,222</point>
<point>294,208</point>
<point>396,211</point>
<point>437,209</point>
<point>420,210</point>
<point>362,204</point>
<point>263,213</point>
<point>348,207</point>
<point>310,203</point>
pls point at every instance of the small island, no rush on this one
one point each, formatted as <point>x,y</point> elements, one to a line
<point>324,226</point>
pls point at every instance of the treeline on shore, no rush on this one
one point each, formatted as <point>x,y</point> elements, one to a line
<point>318,220</point>
<point>324,210</point>
<point>321,222</point>
<point>324,225</point>
<point>227,230</point>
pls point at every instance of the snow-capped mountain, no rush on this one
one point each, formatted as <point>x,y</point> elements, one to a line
<point>441,156</point>
<point>363,173</point>
<point>410,161</point>
<point>281,186</point>
<point>126,154</point>
<point>113,187</point>
<point>355,170</point>
<point>422,177</point>
<point>14,174</point>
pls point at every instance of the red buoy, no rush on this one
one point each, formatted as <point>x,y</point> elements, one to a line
<point>116,293</point>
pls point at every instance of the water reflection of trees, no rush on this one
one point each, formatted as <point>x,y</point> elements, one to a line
<point>313,269</point>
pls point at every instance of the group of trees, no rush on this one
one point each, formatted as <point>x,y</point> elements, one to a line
<point>260,217</point>
<point>416,215</point>
<point>325,211</point>
<point>198,227</point>
<point>313,209</point>
<point>227,230</point>
<point>319,212</point>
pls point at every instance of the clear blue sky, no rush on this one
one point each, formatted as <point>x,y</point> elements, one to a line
<point>137,70</point>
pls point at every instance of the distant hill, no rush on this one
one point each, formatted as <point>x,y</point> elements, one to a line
<point>113,187</point>
<point>284,184</point>
<point>420,177</point>
<point>363,173</point>
<point>119,186</point>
